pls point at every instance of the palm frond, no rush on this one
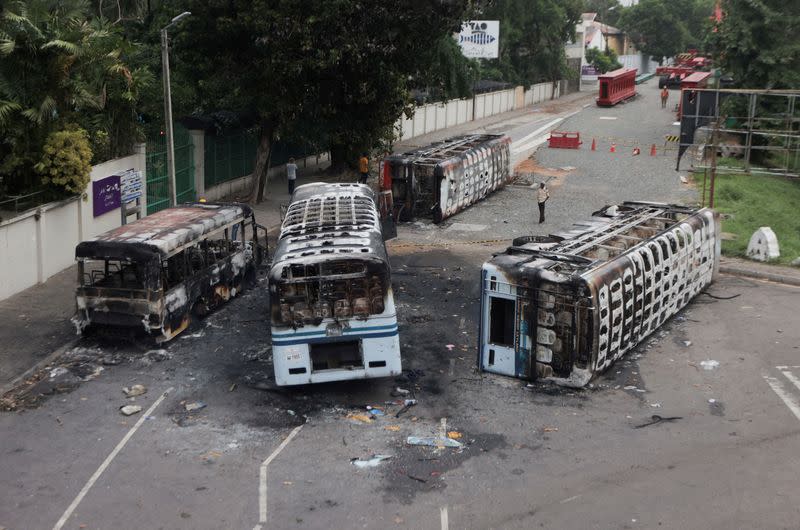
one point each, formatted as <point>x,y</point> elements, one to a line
<point>7,108</point>
<point>69,47</point>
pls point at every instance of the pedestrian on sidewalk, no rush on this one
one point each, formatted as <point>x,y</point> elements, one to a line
<point>363,168</point>
<point>664,97</point>
<point>291,175</point>
<point>542,194</point>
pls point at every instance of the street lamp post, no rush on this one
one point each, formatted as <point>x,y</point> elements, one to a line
<point>173,200</point>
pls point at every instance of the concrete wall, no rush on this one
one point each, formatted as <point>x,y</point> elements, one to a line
<point>437,116</point>
<point>41,242</point>
<point>641,62</point>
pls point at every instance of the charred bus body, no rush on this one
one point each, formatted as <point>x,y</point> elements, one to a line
<point>446,177</point>
<point>331,302</point>
<point>153,273</point>
<point>565,307</point>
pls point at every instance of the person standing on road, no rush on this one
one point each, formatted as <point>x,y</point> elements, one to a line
<point>291,175</point>
<point>363,168</point>
<point>541,197</point>
<point>664,97</point>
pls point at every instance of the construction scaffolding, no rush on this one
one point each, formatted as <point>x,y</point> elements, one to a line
<point>740,131</point>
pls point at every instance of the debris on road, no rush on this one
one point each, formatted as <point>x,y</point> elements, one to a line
<point>195,405</point>
<point>363,418</point>
<point>407,404</point>
<point>130,410</point>
<point>454,435</point>
<point>135,390</point>
<point>656,419</point>
<point>375,411</point>
<point>375,461</point>
<point>433,441</point>
<point>687,343</point>
<point>400,392</point>
<point>550,429</point>
<point>709,364</point>
<point>393,428</point>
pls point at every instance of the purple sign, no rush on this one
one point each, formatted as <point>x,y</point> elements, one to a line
<point>105,195</point>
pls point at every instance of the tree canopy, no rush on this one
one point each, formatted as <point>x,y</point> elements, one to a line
<point>532,37</point>
<point>665,28</point>
<point>757,42</point>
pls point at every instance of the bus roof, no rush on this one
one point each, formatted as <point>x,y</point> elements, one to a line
<point>449,148</point>
<point>164,231</point>
<point>328,221</point>
<point>611,231</point>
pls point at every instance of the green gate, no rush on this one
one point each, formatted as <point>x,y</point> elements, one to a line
<point>157,174</point>
<point>229,156</point>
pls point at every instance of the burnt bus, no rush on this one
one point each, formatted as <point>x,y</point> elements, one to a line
<point>154,273</point>
<point>564,307</point>
<point>446,177</point>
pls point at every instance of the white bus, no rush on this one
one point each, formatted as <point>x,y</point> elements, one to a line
<point>331,305</point>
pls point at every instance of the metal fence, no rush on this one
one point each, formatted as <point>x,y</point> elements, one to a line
<point>157,174</point>
<point>229,156</point>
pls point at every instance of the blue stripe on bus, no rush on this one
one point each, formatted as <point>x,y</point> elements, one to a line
<point>314,340</point>
<point>322,331</point>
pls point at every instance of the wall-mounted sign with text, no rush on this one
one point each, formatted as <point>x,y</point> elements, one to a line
<point>131,185</point>
<point>105,195</point>
<point>480,39</point>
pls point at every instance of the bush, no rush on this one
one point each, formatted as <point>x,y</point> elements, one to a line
<point>66,160</point>
<point>603,61</point>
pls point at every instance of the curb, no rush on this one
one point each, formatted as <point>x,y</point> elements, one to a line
<point>759,275</point>
<point>55,354</point>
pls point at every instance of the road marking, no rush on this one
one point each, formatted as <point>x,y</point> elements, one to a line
<point>262,486</point>
<point>565,501</point>
<point>607,118</point>
<point>787,398</point>
<point>444,518</point>
<point>108,460</point>
<point>790,376</point>
<point>520,145</point>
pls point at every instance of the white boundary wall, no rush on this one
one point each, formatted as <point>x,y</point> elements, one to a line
<point>437,116</point>
<point>41,242</point>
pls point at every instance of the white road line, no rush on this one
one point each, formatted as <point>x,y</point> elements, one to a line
<point>787,398</point>
<point>444,518</point>
<point>108,460</point>
<point>790,376</point>
<point>262,486</point>
<point>537,131</point>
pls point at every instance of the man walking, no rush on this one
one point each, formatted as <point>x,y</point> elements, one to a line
<point>291,175</point>
<point>363,168</point>
<point>541,197</point>
<point>664,97</point>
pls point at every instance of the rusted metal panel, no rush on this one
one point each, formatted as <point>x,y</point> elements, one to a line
<point>444,178</point>
<point>592,293</point>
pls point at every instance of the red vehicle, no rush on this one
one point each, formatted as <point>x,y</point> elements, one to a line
<point>616,86</point>
<point>671,76</point>
<point>696,80</point>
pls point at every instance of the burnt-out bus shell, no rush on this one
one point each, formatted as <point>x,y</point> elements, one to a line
<point>446,177</point>
<point>185,258</point>
<point>564,307</point>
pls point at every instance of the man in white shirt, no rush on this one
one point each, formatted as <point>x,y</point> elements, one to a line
<point>541,197</point>
<point>291,175</point>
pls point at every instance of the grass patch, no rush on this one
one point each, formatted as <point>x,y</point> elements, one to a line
<point>755,201</point>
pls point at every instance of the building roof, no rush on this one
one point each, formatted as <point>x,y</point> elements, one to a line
<point>166,230</point>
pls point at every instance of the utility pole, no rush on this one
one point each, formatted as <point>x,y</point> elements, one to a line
<point>173,197</point>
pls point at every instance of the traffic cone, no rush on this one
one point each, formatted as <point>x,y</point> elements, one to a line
<point>594,145</point>
<point>636,151</point>
<point>653,150</point>
<point>613,148</point>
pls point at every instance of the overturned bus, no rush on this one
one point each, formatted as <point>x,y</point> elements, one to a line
<point>446,177</point>
<point>154,273</point>
<point>564,307</point>
<point>331,300</point>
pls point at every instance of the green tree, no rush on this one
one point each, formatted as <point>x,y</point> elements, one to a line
<point>757,42</point>
<point>665,28</point>
<point>66,160</point>
<point>340,68</point>
<point>59,65</point>
<point>608,11</point>
<point>603,61</point>
<point>532,37</point>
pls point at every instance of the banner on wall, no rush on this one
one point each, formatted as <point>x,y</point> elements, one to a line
<point>106,195</point>
<point>480,39</point>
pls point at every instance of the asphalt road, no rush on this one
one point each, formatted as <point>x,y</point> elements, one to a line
<point>544,457</point>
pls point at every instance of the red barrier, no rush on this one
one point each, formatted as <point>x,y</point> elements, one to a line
<point>616,86</point>
<point>564,140</point>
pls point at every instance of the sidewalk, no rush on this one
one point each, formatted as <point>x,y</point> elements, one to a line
<point>760,271</point>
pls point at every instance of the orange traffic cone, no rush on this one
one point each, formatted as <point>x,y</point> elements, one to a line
<point>613,148</point>
<point>594,145</point>
<point>653,150</point>
<point>636,151</point>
